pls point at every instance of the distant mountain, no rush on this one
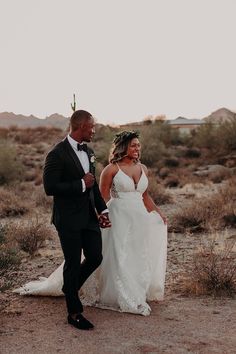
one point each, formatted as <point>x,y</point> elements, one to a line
<point>184,121</point>
<point>220,116</point>
<point>8,119</point>
<point>57,120</point>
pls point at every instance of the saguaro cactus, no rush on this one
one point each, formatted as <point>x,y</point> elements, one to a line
<point>73,105</point>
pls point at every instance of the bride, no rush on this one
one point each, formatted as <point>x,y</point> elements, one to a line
<point>134,248</point>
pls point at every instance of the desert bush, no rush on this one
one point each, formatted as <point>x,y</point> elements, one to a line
<point>9,257</point>
<point>41,199</point>
<point>206,136</point>
<point>164,172</point>
<point>28,136</point>
<point>192,153</point>
<point>152,152</point>
<point>172,182</point>
<point>2,234</point>
<point>219,138</point>
<point>104,133</point>
<point>4,133</point>
<point>213,271</point>
<point>171,162</point>
<point>11,168</point>
<point>158,192</point>
<point>208,213</point>
<point>31,235</point>
<point>226,134</point>
<point>102,149</point>
<point>11,204</point>
<point>219,176</point>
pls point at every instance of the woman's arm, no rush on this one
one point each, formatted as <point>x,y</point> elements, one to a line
<point>149,203</point>
<point>106,179</point>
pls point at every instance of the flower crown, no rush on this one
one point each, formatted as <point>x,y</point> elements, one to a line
<point>125,135</point>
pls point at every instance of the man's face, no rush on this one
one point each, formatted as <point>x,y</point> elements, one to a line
<point>88,129</point>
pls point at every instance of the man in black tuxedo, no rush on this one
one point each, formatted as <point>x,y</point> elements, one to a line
<point>69,177</point>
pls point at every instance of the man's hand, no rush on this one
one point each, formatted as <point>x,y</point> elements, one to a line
<point>89,180</point>
<point>104,221</point>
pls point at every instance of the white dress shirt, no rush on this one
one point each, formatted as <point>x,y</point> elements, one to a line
<point>82,156</point>
<point>84,160</point>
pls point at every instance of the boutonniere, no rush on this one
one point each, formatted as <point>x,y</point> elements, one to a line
<point>93,159</point>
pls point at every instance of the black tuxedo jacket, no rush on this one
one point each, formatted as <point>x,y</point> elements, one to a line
<point>62,176</point>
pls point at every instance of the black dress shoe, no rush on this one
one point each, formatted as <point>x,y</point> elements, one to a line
<point>80,322</point>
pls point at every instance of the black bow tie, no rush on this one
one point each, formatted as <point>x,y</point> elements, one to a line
<point>82,147</point>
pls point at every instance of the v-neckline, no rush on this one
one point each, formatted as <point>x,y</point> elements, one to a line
<point>135,184</point>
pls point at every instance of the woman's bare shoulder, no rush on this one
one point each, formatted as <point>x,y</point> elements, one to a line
<point>144,167</point>
<point>110,169</point>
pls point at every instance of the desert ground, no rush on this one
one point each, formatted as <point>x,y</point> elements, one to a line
<point>198,312</point>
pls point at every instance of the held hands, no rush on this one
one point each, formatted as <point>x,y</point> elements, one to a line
<point>89,180</point>
<point>104,221</point>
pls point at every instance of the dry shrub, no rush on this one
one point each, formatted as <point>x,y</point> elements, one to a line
<point>11,204</point>
<point>219,176</point>
<point>9,259</point>
<point>193,153</point>
<point>35,135</point>
<point>164,172</point>
<point>11,168</point>
<point>4,133</point>
<point>213,271</point>
<point>158,192</point>
<point>208,213</point>
<point>171,162</point>
<point>31,235</point>
<point>41,199</point>
<point>172,182</point>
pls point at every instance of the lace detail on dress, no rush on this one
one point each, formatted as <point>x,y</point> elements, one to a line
<point>130,302</point>
<point>114,192</point>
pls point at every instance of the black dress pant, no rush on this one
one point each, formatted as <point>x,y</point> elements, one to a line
<point>76,273</point>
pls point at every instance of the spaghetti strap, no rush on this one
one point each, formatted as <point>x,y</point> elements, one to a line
<point>118,166</point>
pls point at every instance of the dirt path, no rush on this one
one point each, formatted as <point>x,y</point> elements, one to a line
<point>177,325</point>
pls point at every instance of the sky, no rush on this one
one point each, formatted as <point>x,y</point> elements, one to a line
<point>123,59</point>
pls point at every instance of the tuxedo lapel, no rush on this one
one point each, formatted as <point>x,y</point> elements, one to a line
<point>73,155</point>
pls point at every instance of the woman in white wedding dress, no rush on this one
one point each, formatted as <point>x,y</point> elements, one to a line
<point>134,248</point>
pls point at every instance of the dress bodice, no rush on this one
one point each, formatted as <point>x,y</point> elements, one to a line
<point>122,184</point>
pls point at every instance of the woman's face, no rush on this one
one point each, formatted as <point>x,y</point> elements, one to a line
<point>134,147</point>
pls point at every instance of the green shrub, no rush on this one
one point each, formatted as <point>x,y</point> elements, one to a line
<point>11,168</point>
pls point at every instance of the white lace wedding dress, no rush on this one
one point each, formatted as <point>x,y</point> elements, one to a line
<point>134,255</point>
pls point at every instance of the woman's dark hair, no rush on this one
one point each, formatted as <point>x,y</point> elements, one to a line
<point>120,145</point>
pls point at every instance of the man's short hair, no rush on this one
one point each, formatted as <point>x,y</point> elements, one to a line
<point>79,117</point>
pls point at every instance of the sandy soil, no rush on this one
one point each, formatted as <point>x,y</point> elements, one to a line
<point>179,324</point>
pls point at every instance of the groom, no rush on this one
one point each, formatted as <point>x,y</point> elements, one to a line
<point>69,178</point>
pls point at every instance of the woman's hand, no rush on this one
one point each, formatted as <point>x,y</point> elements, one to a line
<point>104,221</point>
<point>164,218</point>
